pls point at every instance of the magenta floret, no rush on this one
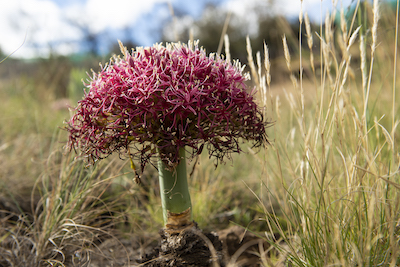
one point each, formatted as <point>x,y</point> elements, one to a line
<point>165,98</point>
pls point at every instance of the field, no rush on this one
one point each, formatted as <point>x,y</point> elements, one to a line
<point>326,192</point>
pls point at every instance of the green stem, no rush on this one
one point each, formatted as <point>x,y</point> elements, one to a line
<point>174,188</point>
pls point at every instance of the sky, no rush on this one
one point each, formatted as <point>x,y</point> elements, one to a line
<point>32,28</point>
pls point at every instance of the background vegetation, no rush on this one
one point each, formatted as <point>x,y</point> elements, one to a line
<point>326,192</point>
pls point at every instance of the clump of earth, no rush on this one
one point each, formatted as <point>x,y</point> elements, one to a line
<point>194,247</point>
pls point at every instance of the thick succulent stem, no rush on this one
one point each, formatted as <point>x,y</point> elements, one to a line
<point>175,197</point>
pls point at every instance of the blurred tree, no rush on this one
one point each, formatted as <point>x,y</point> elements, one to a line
<point>90,37</point>
<point>259,22</point>
<point>129,44</point>
<point>208,30</point>
<point>2,55</point>
<point>53,76</point>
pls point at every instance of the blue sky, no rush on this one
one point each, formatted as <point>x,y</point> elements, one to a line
<point>41,26</point>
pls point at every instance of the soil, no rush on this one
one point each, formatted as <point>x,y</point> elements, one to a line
<point>188,248</point>
<point>229,247</point>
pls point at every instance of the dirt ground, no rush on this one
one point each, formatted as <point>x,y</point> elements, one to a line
<point>229,247</point>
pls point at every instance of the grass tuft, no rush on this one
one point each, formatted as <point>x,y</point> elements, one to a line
<point>331,189</point>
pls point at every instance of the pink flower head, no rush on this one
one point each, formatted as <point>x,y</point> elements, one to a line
<point>165,98</point>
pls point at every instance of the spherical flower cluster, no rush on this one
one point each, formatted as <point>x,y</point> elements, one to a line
<point>159,99</point>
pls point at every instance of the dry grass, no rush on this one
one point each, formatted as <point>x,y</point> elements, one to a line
<point>325,193</point>
<point>334,166</point>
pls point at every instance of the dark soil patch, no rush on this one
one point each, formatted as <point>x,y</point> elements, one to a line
<point>189,248</point>
<point>229,247</point>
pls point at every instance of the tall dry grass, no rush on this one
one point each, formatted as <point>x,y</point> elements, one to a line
<point>334,165</point>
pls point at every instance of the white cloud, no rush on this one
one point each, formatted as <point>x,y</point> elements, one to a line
<point>315,8</point>
<point>44,23</point>
<point>37,20</point>
<point>48,25</point>
<point>40,21</point>
<point>288,8</point>
<point>116,13</point>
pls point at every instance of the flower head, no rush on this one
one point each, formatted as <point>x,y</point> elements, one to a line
<point>162,98</point>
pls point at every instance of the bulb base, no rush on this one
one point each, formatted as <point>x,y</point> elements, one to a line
<point>178,222</point>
